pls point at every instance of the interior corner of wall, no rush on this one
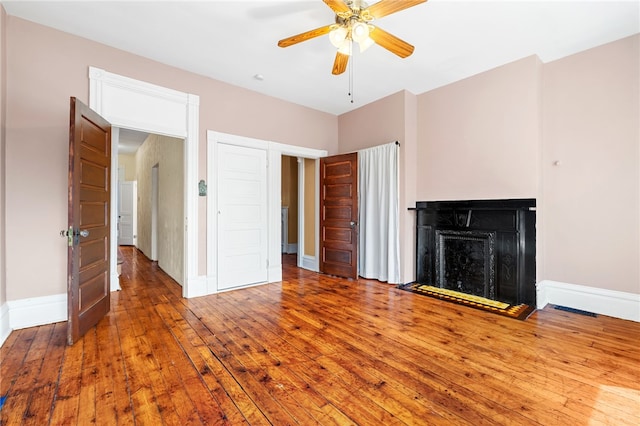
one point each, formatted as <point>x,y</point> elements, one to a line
<point>36,311</point>
<point>274,274</point>
<point>541,294</point>
<point>5,328</point>
<point>198,286</point>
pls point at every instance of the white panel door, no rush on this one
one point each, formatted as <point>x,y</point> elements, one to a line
<point>242,216</point>
<point>127,211</point>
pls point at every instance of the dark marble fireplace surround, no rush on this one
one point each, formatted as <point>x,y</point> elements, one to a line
<point>481,247</point>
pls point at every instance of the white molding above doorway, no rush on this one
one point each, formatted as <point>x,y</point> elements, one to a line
<point>139,105</point>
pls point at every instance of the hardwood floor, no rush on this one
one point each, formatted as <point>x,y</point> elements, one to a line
<point>318,350</point>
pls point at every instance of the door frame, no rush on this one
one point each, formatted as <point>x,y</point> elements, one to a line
<point>305,261</point>
<point>138,105</point>
<point>275,151</point>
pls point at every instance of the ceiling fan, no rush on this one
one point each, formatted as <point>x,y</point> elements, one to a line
<point>353,24</point>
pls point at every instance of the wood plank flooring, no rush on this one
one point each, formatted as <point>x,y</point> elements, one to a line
<point>318,350</point>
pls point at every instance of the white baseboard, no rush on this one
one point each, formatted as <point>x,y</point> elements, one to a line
<point>309,262</point>
<point>205,285</point>
<point>115,282</point>
<point>274,273</point>
<point>241,287</point>
<point>612,303</point>
<point>5,327</point>
<point>198,286</point>
<point>36,311</point>
<point>290,248</point>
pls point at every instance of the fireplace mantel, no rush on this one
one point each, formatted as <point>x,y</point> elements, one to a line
<point>481,247</point>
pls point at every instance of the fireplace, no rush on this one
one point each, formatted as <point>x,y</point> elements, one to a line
<point>480,247</point>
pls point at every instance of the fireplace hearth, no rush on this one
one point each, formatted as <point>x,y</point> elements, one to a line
<point>481,247</point>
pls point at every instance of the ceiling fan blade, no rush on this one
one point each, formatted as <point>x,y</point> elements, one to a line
<point>387,7</point>
<point>390,42</point>
<point>338,6</point>
<point>340,64</point>
<point>286,42</point>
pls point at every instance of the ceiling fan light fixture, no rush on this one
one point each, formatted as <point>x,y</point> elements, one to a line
<point>338,35</point>
<point>345,47</point>
<point>360,32</point>
<point>366,43</point>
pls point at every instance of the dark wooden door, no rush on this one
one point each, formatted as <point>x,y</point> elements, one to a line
<point>339,215</point>
<point>89,210</point>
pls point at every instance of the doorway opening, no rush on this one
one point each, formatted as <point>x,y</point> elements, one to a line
<point>154,168</point>
<point>133,104</point>
<point>289,206</point>
<point>299,212</point>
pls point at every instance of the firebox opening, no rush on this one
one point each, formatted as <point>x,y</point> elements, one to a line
<point>465,262</point>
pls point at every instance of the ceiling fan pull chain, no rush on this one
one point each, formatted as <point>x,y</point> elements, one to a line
<point>351,65</point>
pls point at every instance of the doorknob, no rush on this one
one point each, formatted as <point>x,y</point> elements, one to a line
<point>353,224</point>
<point>73,235</point>
<point>70,232</point>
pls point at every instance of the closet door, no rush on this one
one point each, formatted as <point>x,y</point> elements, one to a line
<point>242,216</point>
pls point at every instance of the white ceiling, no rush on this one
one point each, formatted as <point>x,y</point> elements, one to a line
<point>130,140</point>
<point>233,41</point>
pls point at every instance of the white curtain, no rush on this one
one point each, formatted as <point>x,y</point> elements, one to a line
<point>379,239</point>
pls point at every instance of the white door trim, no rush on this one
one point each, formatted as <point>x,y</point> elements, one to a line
<point>284,223</point>
<point>138,105</point>
<point>304,260</point>
<point>275,151</point>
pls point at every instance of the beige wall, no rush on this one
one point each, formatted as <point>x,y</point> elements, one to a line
<point>309,207</point>
<point>168,155</point>
<point>480,137</point>
<point>591,199</point>
<point>390,119</point>
<point>374,124</point>
<point>3,110</point>
<point>44,68</point>
<point>128,161</point>
<point>289,184</point>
